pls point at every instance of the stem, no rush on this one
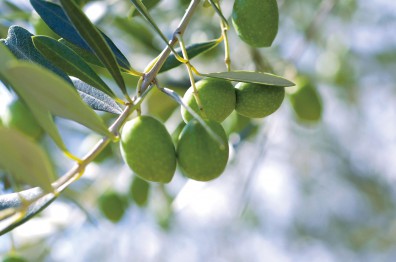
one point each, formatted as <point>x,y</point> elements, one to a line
<point>165,53</point>
<point>190,74</point>
<point>224,30</point>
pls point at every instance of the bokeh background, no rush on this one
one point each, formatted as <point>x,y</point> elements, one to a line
<point>294,190</point>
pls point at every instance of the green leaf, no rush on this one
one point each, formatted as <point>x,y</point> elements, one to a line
<point>138,31</point>
<point>56,19</point>
<point>53,93</point>
<point>42,115</point>
<point>19,42</point>
<point>252,77</point>
<point>143,11</point>
<point>148,4</point>
<point>24,159</point>
<point>86,56</point>
<point>96,99</point>
<point>192,51</point>
<point>66,59</point>
<point>95,40</point>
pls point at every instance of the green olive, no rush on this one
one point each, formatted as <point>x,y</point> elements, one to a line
<point>148,149</point>
<point>257,101</point>
<point>18,116</point>
<point>217,97</point>
<point>256,21</point>
<point>112,205</point>
<point>139,191</point>
<point>200,156</point>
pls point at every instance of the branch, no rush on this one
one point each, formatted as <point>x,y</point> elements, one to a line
<point>13,207</point>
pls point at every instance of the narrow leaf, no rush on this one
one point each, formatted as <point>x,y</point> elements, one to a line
<point>252,77</point>
<point>56,95</point>
<point>42,115</point>
<point>96,99</point>
<point>13,202</point>
<point>95,40</point>
<point>88,57</point>
<point>24,159</point>
<point>143,11</point>
<point>70,62</point>
<point>192,51</point>
<point>20,43</point>
<point>55,17</point>
<point>218,11</point>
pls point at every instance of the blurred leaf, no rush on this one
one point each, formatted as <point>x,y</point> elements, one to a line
<point>95,40</point>
<point>143,11</point>
<point>192,50</point>
<point>54,16</point>
<point>53,93</point>
<point>148,4</point>
<point>42,115</point>
<point>252,77</point>
<point>96,99</point>
<point>19,41</point>
<point>137,30</point>
<point>306,101</point>
<point>70,62</point>
<point>139,191</point>
<point>24,159</point>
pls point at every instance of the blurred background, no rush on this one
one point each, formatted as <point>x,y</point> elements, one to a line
<point>312,182</point>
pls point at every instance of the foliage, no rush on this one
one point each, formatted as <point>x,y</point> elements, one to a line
<point>126,64</point>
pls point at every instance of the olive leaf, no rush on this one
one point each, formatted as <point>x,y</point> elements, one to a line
<point>96,99</point>
<point>192,50</point>
<point>11,204</point>
<point>252,77</point>
<point>53,93</point>
<point>95,40</point>
<point>42,115</point>
<point>143,11</point>
<point>19,42</point>
<point>55,17</point>
<point>24,159</point>
<point>65,58</point>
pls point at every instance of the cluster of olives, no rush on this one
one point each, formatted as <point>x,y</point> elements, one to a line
<point>148,148</point>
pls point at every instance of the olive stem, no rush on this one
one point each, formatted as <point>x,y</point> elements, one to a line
<point>190,74</point>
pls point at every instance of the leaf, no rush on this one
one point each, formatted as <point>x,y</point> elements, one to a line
<point>95,40</point>
<point>13,202</point>
<point>54,94</point>
<point>24,159</point>
<point>54,16</point>
<point>148,4</point>
<point>42,115</point>
<point>192,51</point>
<point>143,11</point>
<point>86,56</point>
<point>252,77</point>
<point>96,99</point>
<point>19,41</point>
<point>138,31</point>
<point>70,62</point>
